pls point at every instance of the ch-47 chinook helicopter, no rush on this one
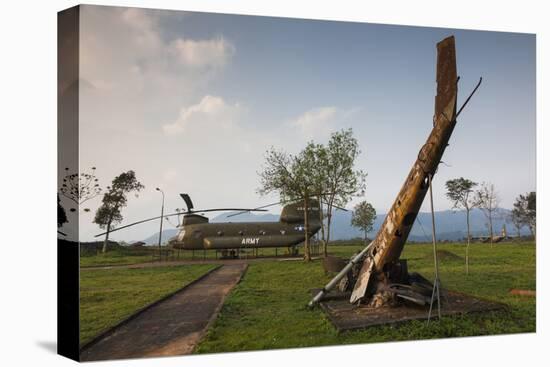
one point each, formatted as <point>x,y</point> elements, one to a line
<point>197,233</point>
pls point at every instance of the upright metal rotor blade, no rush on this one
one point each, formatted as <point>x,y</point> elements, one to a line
<point>188,201</point>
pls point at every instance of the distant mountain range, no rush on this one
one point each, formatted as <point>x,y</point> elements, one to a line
<point>450,225</point>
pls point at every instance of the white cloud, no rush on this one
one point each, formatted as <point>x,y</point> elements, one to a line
<point>138,18</point>
<point>317,121</point>
<point>204,53</point>
<point>210,112</point>
<point>127,48</point>
<point>170,175</point>
<point>320,122</point>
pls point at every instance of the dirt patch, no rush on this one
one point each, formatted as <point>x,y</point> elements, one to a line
<point>523,292</point>
<point>171,327</point>
<point>345,316</point>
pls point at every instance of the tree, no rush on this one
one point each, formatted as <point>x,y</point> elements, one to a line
<point>317,154</point>
<point>461,193</point>
<point>487,200</point>
<point>80,188</point>
<point>342,181</point>
<point>61,215</point>
<point>525,210</point>
<point>292,177</point>
<point>516,219</point>
<point>363,217</point>
<point>108,214</point>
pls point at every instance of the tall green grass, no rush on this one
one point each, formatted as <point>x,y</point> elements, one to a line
<point>268,310</point>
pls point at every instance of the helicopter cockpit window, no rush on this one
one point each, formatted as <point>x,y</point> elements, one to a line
<point>197,234</point>
<point>262,232</point>
<point>220,233</point>
<point>181,235</point>
<point>241,232</point>
<point>283,232</point>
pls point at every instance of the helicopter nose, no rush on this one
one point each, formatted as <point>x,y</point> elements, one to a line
<point>175,242</point>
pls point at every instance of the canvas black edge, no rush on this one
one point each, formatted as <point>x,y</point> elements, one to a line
<point>68,41</point>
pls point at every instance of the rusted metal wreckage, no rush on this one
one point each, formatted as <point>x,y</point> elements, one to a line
<point>377,276</point>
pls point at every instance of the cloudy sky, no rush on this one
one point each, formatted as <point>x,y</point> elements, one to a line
<point>191,101</point>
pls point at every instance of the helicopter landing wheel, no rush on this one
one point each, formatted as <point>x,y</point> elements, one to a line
<point>292,250</point>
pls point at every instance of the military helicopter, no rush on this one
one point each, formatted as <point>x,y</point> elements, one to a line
<point>197,233</point>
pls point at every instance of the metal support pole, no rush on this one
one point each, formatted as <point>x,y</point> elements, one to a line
<point>435,289</point>
<point>330,285</point>
<point>161,218</point>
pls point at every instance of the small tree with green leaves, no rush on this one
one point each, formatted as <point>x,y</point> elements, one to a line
<point>317,155</point>
<point>461,193</point>
<point>108,214</point>
<point>525,210</point>
<point>517,221</point>
<point>363,217</point>
<point>292,177</point>
<point>342,180</point>
<point>487,200</point>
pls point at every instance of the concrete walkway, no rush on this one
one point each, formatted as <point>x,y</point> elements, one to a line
<point>171,327</point>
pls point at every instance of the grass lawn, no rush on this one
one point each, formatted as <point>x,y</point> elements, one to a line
<point>128,257</point>
<point>114,258</point>
<point>267,309</point>
<point>108,296</point>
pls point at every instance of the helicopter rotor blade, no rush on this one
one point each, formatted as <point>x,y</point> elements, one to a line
<point>255,209</point>
<point>138,222</point>
<point>282,202</point>
<point>263,206</point>
<point>226,209</point>
<point>338,207</point>
<point>188,201</point>
<point>180,213</point>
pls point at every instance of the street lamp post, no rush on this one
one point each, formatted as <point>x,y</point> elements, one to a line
<point>161,218</point>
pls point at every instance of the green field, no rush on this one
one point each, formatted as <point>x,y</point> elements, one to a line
<point>268,308</point>
<point>114,258</point>
<point>150,254</point>
<point>109,295</point>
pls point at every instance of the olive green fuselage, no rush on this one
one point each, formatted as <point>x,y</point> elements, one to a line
<point>241,235</point>
<point>197,233</point>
